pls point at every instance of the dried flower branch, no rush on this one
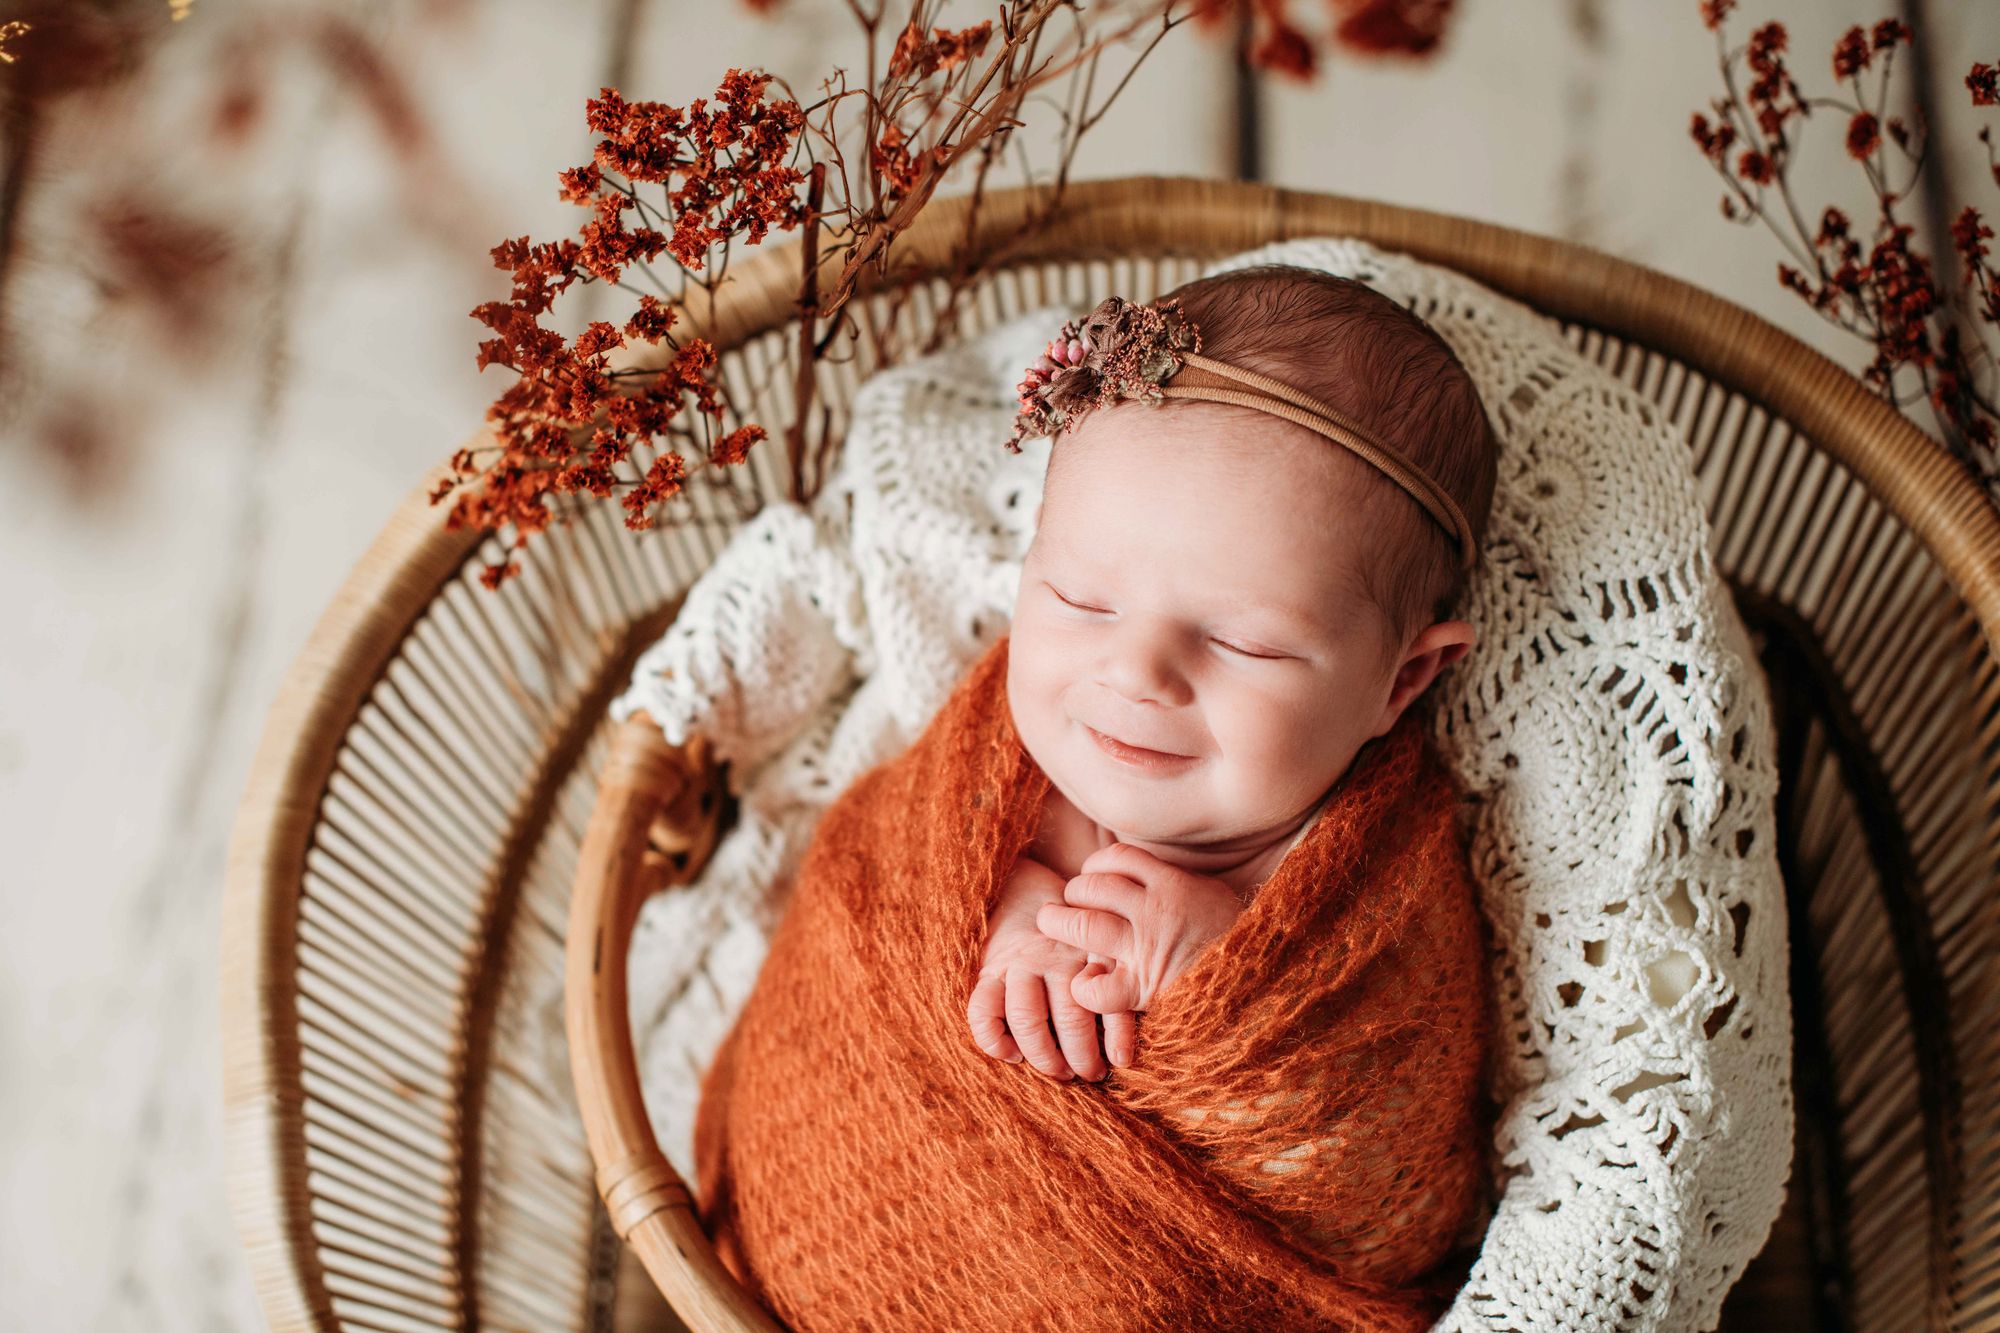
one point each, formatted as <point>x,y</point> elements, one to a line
<point>854,168</point>
<point>688,183</point>
<point>1882,287</point>
<point>716,171</point>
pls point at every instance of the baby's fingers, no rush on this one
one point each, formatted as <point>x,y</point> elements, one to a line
<point>987,1015</point>
<point>1082,928</point>
<point>1077,1027</point>
<point>1111,991</point>
<point>1121,1037</point>
<point>1028,1017</point>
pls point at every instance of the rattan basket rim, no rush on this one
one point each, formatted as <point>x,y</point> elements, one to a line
<point>403,569</point>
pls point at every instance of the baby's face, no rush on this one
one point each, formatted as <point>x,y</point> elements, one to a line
<point>1194,588</point>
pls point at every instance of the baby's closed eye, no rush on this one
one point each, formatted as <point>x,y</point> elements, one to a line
<point>1233,644</point>
<point>1251,652</point>
<point>1069,601</point>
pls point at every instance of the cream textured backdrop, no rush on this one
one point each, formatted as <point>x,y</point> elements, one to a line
<point>174,523</point>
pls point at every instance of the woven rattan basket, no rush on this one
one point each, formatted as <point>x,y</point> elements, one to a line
<point>407,1149</point>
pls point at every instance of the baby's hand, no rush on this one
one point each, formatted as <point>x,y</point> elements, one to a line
<point>1025,983</point>
<point>1148,918</point>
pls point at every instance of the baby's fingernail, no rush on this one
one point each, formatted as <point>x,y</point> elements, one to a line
<point>1013,1059</point>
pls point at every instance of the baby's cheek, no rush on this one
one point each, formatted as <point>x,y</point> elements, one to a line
<point>1028,651</point>
<point>1282,755</point>
<point>1034,695</point>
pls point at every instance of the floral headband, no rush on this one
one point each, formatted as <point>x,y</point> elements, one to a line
<point>1126,350</point>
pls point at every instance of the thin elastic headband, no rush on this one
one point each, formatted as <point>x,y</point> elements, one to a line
<point>1150,352</point>
<point>1208,379</point>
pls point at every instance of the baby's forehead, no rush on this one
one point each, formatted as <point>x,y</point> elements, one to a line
<point>1307,496</point>
<point>1248,562</point>
<point>1279,467</point>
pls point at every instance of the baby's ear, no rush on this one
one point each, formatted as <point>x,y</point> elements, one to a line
<point>1428,654</point>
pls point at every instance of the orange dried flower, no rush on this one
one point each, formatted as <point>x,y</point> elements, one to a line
<point>1864,135</point>
<point>662,481</point>
<point>1407,27</point>
<point>1969,234</point>
<point>1888,32</point>
<point>580,184</point>
<point>494,575</point>
<point>942,50</point>
<point>1715,140</point>
<point>1284,50</point>
<point>735,446</point>
<point>1984,81</point>
<point>892,159</point>
<point>653,319</point>
<point>955,48</point>
<point>1852,54</point>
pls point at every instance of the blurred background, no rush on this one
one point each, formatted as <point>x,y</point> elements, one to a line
<point>238,245</point>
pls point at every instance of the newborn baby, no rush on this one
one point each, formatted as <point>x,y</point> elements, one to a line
<point>1187,784</point>
<point>1219,608</point>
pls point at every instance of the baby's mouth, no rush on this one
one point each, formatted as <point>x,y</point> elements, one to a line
<point>1135,755</point>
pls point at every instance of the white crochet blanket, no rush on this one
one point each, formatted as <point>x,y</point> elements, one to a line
<point>1610,728</point>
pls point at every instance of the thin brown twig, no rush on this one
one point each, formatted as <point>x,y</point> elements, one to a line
<point>804,382</point>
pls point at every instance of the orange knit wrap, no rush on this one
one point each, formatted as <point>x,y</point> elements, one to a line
<point>861,1163</point>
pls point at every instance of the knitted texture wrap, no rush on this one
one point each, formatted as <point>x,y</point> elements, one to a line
<point>1609,729</point>
<point>1296,1145</point>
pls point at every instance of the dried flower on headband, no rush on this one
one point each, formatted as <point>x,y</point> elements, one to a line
<point>1122,350</point>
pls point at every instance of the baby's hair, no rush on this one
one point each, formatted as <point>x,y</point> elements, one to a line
<point>1348,344</point>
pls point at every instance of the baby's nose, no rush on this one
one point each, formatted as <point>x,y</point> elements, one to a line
<point>1143,666</point>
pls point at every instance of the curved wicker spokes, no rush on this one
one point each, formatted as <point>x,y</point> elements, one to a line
<point>406,1151</point>
<point>1885,693</point>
